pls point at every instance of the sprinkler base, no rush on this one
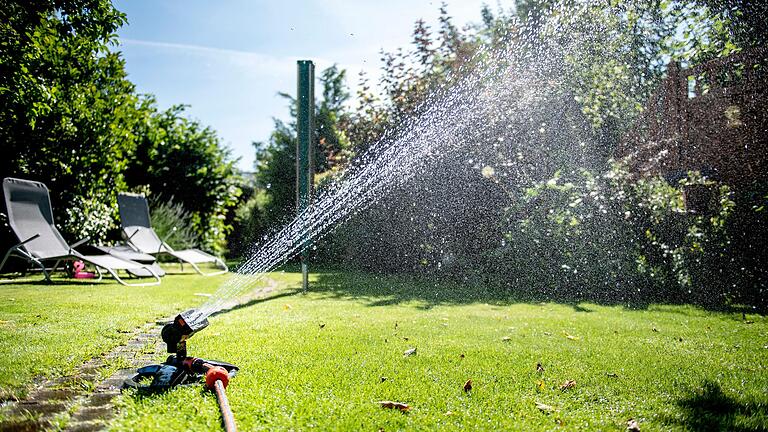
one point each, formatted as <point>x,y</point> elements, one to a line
<point>177,371</point>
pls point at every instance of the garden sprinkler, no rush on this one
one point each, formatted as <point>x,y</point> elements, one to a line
<point>185,325</point>
<point>179,369</point>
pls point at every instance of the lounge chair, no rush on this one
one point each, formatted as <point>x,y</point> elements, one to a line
<point>128,253</point>
<point>138,232</point>
<point>31,218</point>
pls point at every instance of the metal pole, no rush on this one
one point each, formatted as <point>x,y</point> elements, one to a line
<point>305,125</point>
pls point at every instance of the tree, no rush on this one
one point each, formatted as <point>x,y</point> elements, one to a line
<point>331,121</point>
<point>184,161</point>
<point>276,172</point>
<point>66,107</point>
<point>69,117</point>
<point>743,20</point>
<point>276,159</point>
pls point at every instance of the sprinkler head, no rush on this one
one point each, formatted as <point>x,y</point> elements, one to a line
<point>185,324</point>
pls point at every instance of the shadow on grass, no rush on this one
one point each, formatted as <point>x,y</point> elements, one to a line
<point>287,293</point>
<point>425,293</point>
<point>54,282</point>
<point>106,280</point>
<point>386,290</point>
<point>711,409</point>
<point>60,278</point>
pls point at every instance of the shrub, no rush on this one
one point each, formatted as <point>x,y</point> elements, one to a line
<point>173,223</point>
<point>622,238</point>
<point>185,159</point>
<point>248,224</point>
<point>89,217</point>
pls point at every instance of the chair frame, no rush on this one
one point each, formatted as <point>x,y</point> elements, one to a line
<point>20,251</point>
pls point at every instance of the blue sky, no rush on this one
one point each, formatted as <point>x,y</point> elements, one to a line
<point>229,59</point>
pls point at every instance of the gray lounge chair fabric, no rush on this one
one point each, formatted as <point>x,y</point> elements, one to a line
<point>128,253</point>
<point>30,216</point>
<point>138,232</point>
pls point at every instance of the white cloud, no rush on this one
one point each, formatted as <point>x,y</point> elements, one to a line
<point>266,64</point>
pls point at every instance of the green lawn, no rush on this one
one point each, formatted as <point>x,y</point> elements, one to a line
<point>317,361</point>
<point>47,330</point>
<point>323,360</point>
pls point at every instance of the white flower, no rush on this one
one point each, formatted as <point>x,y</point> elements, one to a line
<point>488,171</point>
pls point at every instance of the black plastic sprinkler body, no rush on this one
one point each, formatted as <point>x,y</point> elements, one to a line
<point>178,369</point>
<point>185,325</point>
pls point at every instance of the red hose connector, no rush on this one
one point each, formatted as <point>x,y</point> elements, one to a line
<point>216,373</point>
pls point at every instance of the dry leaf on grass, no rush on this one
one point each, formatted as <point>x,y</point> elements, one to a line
<point>546,409</point>
<point>468,385</point>
<point>409,352</point>
<point>567,385</point>
<point>633,426</point>
<point>539,367</point>
<point>540,384</point>
<point>570,336</point>
<point>394,405</point>
<point>449,413</point>
<point>287,306</point>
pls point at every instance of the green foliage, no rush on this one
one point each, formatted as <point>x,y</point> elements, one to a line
<point>369,119</point>
<point>181,158</point>
<point>433,61</point>
<point>70,118</point>
<point>610,232</point>
<point>533,11</point>
<point>91,217</point>
<point>615,64</point>
<point>276,173</point>
<point>331,120</point>
<point>706,29</point>
<point>743,21</point>
<point>248,223</point>
<point>276,159</point>
<point>66,107</point>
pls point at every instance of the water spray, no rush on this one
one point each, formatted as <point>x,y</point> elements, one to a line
<point>444,122</point>
<point>397,157</point>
